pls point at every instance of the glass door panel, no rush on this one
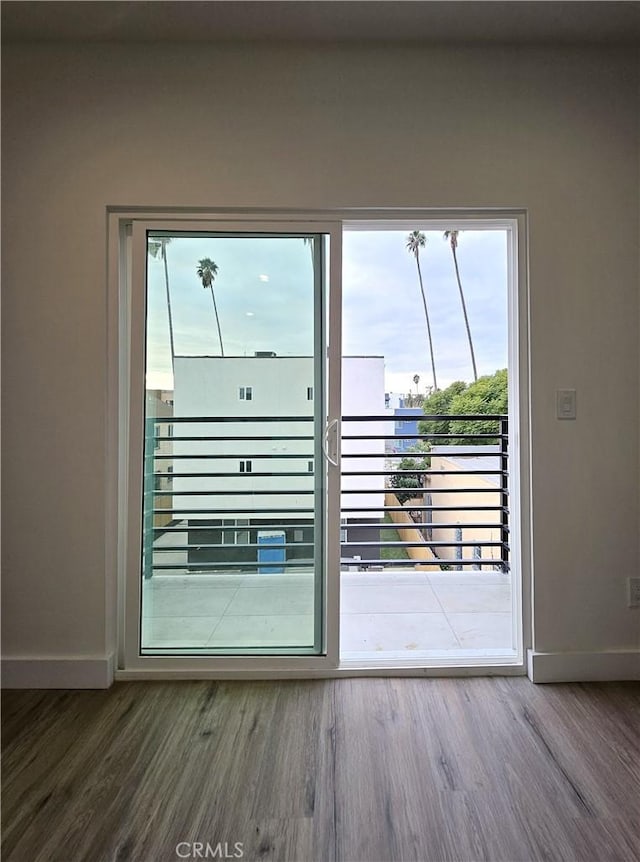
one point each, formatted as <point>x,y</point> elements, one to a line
<point>234,473</point>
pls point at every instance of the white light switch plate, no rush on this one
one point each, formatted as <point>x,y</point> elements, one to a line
<point>565,403</point>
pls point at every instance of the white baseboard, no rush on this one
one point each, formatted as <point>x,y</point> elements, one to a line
<point>59,672</point>
<point>583,666</point>
<point>82,672</point>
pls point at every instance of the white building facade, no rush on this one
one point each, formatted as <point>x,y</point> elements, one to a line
<point>272,484</point>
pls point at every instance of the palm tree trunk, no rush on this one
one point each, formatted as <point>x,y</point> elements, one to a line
<point>215,308</point>
<point>166,285</point>
<point>464,311</point>
<point>426,315</point>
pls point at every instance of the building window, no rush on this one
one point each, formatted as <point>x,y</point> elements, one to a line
<point>309,466</point>
<point>309,393</point>
<point>298,535</point>
<point>343,530</point>
<point>162,480</point>
<point>234,536</point>
<point>245,466</point>
<point>477,555</point>
<point>245,393</point>
<point>227,534</point>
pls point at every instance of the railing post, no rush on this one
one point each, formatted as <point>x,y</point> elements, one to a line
<point>149,499</point>
<point>504,492</point>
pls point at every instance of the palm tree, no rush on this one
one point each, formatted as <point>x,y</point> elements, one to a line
<point>415,241</point>
<point>452,236</point>
<point>414,400</point>
<point>207,271</point>
<point>158,249</point>
<point>308,240</point>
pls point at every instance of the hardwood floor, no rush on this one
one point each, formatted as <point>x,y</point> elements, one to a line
<point>352,770</point>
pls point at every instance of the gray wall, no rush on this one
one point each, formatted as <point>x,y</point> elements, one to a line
<point>555,131</point>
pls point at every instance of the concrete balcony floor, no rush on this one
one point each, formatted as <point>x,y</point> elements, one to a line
<point>391,615</point>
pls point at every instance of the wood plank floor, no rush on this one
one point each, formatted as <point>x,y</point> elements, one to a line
<point>351,770</point>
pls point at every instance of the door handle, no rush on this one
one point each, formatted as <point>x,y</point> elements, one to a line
<point>332,426</point>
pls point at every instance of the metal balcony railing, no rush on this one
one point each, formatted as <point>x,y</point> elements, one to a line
<point>241,494</point>
<point>449,508</point>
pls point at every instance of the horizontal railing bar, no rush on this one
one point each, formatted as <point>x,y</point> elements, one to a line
<point>479,436</point>
<point>267,525</point>
<point>420,491</point>
<point>259,474</point>
<point>182,510</point>
<point>345,456</point>
<point>421,508</point>
<point>170,420</point>
<point>309,525</point>
<point>429,417</point>
<point>308,475</point>
<point>440,561</point>
<point>179,456</point>
<point>344,561</point>
<point>476,472</point>
<point>460,452</point>
<point>241,454</point>
<point>286,474</point>
<point>293,492</point>
<point>301,437</point>
<point>198,547</point>
<point>238,491</point>
<point>425,544</point>
<point>278,437</point>
<point>244,564</point>
<point>412,472</point>
<point>283,545</point>
<point>426,417</point>
<point>421,525</point>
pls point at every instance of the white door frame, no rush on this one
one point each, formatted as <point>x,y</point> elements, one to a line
<point>125,425</point>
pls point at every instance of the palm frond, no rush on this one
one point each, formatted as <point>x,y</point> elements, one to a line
<point>415,241</point>
<point>207,271</point>
<point>452,236</point>
<point>157,245</point>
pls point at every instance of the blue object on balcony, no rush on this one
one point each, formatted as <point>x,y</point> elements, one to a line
<point>271,551</point>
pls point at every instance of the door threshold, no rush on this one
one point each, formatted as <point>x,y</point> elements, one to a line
<point>459,668</point>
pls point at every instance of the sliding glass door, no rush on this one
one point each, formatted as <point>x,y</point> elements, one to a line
<point>237,515</point>
<point>238,440</point>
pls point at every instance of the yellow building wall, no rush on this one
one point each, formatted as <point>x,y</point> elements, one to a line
<point>486,495</point>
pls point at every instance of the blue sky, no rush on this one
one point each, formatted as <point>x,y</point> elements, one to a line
<point>383,311</point>
<point>264,292</point>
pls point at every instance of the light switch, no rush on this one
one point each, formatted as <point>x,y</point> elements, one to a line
<point>565,403</point>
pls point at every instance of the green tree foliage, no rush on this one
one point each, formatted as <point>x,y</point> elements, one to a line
<point>437,404</point>
<point>406,483</point>
<point>488,395</point>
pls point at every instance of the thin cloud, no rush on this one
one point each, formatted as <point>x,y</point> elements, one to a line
<point>382,306</point>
